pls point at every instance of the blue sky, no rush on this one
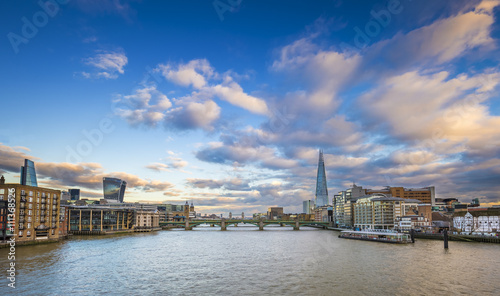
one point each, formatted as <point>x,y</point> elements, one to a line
<point>226,103</point>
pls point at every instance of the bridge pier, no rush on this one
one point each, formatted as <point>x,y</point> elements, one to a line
<point>261,225</point>
<point>223,224</point>
<point>282,224</point>
<point>212,225</point>
<point>187,227</point>
<point>297,225</point>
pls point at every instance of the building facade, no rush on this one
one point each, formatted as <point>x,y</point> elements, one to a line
<point>381,212</point>
<point>409,222</point>
<point>5,232</point>
<point>99,219</point>
<point>146,219</point>
<point>426,195</point>
<point>323,214</point>
<point>36,212</point>
<point>343,206</point>
<point>274,213</point>
<point>477,221</point>
<point>179,212</point>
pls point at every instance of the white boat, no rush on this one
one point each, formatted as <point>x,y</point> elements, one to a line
<point>375,236</point>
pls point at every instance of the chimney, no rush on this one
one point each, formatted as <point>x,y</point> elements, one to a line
<point>2,180</point>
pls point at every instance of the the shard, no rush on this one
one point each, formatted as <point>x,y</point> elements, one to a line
<point>321,188</point>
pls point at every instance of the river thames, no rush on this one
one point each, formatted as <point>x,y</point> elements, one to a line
<point>245,261</point>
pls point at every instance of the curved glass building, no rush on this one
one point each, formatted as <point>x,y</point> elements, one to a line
<point>114,188</point>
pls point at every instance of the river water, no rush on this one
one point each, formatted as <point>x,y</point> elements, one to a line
<point>245,261</point>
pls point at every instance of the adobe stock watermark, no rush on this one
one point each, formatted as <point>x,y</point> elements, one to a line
<point>11,217</point>
<point>223,6</point>
<point>92,138</point>
<point>30,27</point>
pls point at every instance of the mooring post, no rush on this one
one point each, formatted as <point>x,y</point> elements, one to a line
<point>412,235</point>
<point>445,237</point>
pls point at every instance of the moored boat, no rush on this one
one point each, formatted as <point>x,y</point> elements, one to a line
<point>383,237</point>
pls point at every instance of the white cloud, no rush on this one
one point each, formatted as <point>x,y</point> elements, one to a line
<point>110,64</point>
<point>192,73</point>
<point>147,105</point>
<point>197,74</point>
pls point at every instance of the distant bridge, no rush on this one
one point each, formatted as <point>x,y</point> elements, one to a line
<point>223,223</point>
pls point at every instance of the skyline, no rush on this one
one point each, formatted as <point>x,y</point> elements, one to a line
<point>228,108</point>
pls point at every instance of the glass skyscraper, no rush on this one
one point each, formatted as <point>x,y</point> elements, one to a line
<point>114,188</point>
<point>74,194</point>
<point>321,188</point>
<point>28,174</point>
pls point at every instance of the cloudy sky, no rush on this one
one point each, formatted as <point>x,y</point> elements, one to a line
<point>226,103</point>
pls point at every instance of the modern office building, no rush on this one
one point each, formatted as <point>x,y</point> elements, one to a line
<point>321,187</point>
<point>343,206</point>
<point>114,189</point>
<point>426,195</point>
<point>28,174</point>
<point>74,194</point>
<point>36,212</point>
<point>99,219</point>
<point>308,206</point>
<point>378,211</point>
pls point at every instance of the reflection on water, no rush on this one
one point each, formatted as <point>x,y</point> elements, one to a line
<point>244,260</point>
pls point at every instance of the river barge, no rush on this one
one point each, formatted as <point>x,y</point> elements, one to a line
<point>374,236</point>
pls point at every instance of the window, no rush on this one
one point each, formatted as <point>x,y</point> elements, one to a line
<point>28,233</point>
<point>37,199</point>
<point>29,219</point>
<point>38,194</point>
<point>29,225</point>
<point>20,233</point>
<point>30,212</point>
<point>1,197</point>
<point>53,231</point>
<point>31,199</point>
<point>23,192</point>
<point>31,193</point>
<point>30,206</point>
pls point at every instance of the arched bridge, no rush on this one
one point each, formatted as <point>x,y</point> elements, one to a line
<point>223,223</point>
